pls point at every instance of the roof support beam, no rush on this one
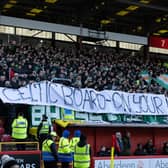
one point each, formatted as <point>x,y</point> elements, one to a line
<point>132,2</point>
<point>51,27</point>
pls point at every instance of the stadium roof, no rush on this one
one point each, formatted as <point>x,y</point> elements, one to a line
<point>139,17</point>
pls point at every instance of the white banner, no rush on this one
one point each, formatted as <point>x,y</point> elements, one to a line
<point>88,100</point>
<point>133,163</point>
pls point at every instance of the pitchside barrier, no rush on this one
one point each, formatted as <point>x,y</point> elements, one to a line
<point>11,146</point>
<point>157,161</point>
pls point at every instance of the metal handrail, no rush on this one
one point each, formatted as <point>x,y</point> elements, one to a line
<point>15,143</point>
<point>61,79</point>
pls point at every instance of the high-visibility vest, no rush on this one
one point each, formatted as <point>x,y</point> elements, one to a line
<point>64,151</point>
<point>73,142</point>
<point>82,156</point>
<point>19,128</point>
<point>45,128</point>
<point>46,145</point>
<point>64,146</point>
<point>46,150</point>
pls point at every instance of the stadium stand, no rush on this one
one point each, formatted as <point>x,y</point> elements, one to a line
<point>104,69</point>
<point>86,66</point>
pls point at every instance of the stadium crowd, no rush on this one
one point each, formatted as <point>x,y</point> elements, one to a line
<point>105,69</point>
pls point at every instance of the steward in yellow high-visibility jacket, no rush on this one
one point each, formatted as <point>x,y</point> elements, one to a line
<point>49,152</point>
<point>19,127</point>
<point>64,151</point>
<point>19,130</point>
<point>82,153</point>
<point>75,140</point>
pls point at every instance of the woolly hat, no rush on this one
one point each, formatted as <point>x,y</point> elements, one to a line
<point>7,161</point>
<point>65,133</point>
<point>77,133</point>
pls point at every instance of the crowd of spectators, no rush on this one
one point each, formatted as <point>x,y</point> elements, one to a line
<point>86,68</point>
<point>122,147</point>
<point>150,149</point>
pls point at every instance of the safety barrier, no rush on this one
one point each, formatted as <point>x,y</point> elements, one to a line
<point>153,161</point>
<point>11,146</point>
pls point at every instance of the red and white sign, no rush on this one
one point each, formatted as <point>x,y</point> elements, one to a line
<point>158,42</point>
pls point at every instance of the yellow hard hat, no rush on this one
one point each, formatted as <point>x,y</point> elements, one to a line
<point>53,133</point>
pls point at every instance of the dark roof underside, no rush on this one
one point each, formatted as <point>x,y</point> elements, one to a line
<point>139,17</point>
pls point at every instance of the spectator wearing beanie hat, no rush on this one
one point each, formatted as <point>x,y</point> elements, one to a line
<point>64,151</point>
<point>75,140</point>
<point>8,162</point>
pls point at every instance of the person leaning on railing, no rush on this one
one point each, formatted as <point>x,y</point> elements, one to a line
<point>74,140</point>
